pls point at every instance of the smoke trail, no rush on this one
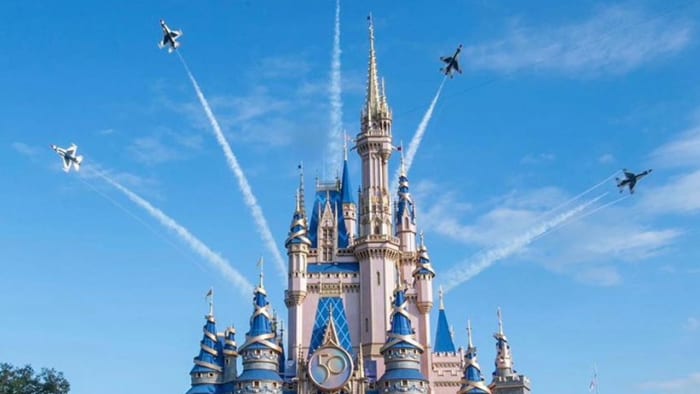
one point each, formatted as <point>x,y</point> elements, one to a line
<point>138,219</point>
<point>335,90</point>
<point>420,131</point>
<point>592,211</point>
<point>193,242</point>
<point>461,274</point>
<point>578,196</point>
<point>249,197</point>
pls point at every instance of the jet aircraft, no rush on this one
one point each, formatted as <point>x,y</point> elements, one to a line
<point>169,37</point>
<point>630,180</point>
<point>452,63</point>
<point>69,157</point>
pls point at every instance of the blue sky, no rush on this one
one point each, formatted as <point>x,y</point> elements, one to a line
<point>554,98</point>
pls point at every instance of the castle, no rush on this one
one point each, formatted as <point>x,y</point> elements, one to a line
<point>359,297</point>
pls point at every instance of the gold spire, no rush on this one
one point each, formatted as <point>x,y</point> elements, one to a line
<point>210,299</point>
<point>331,334</point>
<point>373,99</point>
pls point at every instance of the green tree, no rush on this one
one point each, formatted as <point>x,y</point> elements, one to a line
<point>23,380</point>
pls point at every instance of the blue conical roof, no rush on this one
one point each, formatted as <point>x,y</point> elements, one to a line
<point>443,336</point>
<point>472,382</point>
<point>345,189</point>
<point>401,333</point>
<point>260,334</point>
<point>209,358</point>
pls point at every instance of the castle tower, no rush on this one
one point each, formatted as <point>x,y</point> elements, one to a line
<point>472,382</point>
<point>402,353</point>
<point>376,249</point>
<point>208,369</point>
<point>505,379</point>
<point>297,245</point>
<point>260,352</point>
<point>423,276</point>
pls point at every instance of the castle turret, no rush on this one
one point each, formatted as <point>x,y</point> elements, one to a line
<point>260,352</point>
<point>505,379</point>
<point>423,276</point>
<point>297,244</point>
<point>376,248</point>
<point>208,370</point>
<point>230,355</point>
<point>472,382</point>
<point>402,353</point>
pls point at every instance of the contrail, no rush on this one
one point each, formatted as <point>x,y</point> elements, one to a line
<point>578,196</point>
<point>133,216</point>
<point>249,197</point>
<point>193,242</point>
<point>335,90</point>
<point>420,131</point>
<point>461,274</point>
<point>592,211</point>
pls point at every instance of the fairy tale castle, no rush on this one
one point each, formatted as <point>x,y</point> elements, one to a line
<point>359,297</point>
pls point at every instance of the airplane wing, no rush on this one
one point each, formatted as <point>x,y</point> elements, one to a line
<point>456,66</point>
<point>633,182</point>
<point>71,150</point>
<point>447,60</point>
<point>66,164</point>
<point>629,175</point>
<point>175,34</point>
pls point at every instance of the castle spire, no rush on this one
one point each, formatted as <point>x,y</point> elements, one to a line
<point>372,100</point>
<point>443,336</point>
<point>300,194</point>
<point>504,358</point>
<point>472,381</point>
<point>208,370</point>
<point>262,273</point>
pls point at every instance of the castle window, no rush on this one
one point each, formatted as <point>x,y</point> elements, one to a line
<point>366,324</point>
<point>211,375</point>
<point>379,279</point>
<point>256,384</point>
<point>404,382</point>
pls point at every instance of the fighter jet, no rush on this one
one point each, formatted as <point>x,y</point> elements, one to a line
<point>452,63</point>
<point>169,38</point>
<point>69,157</point>
<point>630,180</point>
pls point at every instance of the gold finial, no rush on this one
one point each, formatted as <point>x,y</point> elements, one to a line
<point>372,104</point>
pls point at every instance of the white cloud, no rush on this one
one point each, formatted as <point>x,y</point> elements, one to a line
<point>578,248</point>
<point>615,40</point>
<point>685,385</point>
<point>24,149</point>
<point>684,151</point>
<point>599,276</point>
<point>692,324</point>
<point>680,195</point>
<point>537,158</point>
<point>607,158</point>
<point>163,146</point>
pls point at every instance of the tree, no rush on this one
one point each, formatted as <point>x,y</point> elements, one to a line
<point>23,380</point>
